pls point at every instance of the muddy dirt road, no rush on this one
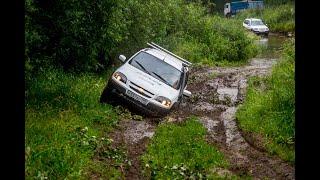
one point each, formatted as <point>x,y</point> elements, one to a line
<point>216,92</point>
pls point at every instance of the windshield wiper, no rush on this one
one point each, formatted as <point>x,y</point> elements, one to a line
<point>142,67</point>
<point>161,78</point>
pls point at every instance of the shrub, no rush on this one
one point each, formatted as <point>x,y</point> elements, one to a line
<point>215,40</point>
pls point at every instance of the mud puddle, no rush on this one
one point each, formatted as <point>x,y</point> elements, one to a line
<point>271,45</point>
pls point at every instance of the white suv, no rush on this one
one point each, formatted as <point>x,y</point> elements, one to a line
<point>153,81</point>
<point>256,25</point>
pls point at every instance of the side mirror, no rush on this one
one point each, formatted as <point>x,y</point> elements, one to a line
<point>187,93</point>
<point>122,58</point>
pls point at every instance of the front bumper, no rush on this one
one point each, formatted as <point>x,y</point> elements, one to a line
<point>261,32</point>
<point>119,94</point>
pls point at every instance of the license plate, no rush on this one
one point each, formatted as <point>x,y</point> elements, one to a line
<point>136,97</point>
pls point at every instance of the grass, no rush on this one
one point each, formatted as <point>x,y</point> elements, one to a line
<point>269,107</point>
<point>180,151</point>
<point>65,125</point>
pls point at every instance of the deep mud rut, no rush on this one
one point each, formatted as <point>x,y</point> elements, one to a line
<point>216,93</point>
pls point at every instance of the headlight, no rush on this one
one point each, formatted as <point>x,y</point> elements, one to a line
<point>256,29</point>
<point>120,77</point>
<point>164,101</point>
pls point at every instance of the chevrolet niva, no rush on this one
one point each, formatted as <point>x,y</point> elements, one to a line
<point>153,81</point>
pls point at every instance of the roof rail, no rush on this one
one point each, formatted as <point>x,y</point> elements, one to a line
<point>154,45</point>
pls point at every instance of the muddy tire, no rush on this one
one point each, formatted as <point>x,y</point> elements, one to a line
<point>106,95</point>
<point>176,105</point>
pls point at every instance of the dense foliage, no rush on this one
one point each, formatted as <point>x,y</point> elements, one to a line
<point>88,35</point>
<point>269,108</point>
<point>217,40</point>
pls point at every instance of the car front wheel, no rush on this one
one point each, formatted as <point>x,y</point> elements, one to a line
<point>106,95</point>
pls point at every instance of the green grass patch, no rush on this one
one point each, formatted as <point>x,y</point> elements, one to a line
<point>269,107</point>
<point>65,124</point>
<point>180,151</point>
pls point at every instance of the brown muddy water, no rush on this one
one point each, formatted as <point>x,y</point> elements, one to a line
<point>271,45</point>
<point>214,100</point>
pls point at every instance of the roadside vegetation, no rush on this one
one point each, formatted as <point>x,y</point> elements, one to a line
<point>269,108</point>
<point>87,36</point>
<point>215,41</point>
<point>279,18</point>
<point>179,151</point>
<point>65,125</point>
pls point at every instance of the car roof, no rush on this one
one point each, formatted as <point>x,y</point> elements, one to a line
<point>166,57</point>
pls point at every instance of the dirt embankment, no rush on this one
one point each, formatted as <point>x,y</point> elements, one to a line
<point>216,94</point>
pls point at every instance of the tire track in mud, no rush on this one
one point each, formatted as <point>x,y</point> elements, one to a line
<point>216,94</point>
<point>215,101</point>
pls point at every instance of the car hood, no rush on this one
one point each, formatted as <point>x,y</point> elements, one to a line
<point>148,82</point>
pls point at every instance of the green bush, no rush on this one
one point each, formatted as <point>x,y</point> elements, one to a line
<point>269,108</point>
<point>213,40</point>
<point>89,35</point>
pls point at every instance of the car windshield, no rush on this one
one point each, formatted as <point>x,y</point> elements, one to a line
<point>256,23</point>
<point>157,68</point>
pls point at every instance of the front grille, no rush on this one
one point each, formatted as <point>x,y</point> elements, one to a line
<point>138,89</point>
<point>142,88</point>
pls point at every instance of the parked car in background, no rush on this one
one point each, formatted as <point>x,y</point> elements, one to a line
<point>153,81</point>
<point>256,25</point>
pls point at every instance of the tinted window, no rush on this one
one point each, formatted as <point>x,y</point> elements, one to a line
<point>157,68</point>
